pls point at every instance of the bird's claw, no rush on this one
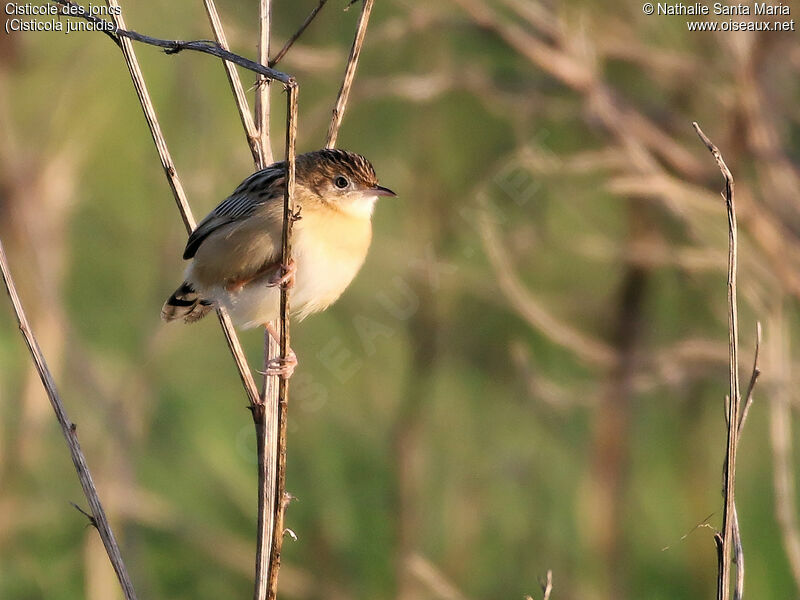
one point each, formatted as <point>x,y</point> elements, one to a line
<point>234,286</point>
<point>287,278</point>
<point>281,366</point>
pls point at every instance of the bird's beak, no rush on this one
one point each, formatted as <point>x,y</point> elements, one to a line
<point>383,191</point>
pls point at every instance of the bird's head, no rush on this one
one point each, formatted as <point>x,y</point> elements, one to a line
<point>342,180</point>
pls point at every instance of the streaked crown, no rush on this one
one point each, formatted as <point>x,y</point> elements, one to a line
<point>325,165</point>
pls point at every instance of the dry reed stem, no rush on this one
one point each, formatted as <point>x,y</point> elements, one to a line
<point>290,42</point>
<point>119,33</point>
<point>738,557</point>
<point>738,552</point>
<point>349,74</point>
<point>270,415</point>
<point>281,498</point>
<point>754,375</point>
<point>262,83</point>
<point>265,416</point>
<point>180,196</point>
<point>729,482</point>
<point>270,437</point>
<point>547,586</point>
<point>98,517</point>
<point>235,82</point>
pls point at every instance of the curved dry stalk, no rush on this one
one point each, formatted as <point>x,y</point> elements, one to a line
<point>754,375</point>
<point>734,403</point>
<point>69,429</point>
<point>281,498</point>
<point>180,196</point>
<point>547,585</point>
<point>290,42</point>
<point>262,82</point>
<point>265,413</point>
<point>349,74</point>
<point>235,82</point>
<point>119,32</point>
<point>266,416</point>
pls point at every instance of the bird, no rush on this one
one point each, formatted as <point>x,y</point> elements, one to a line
<point>235,251</point>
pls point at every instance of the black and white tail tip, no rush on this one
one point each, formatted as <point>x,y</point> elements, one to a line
<point>185,303</point>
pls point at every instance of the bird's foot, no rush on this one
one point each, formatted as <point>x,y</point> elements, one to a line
<point>287,278</point>
<point>234,286</point>
<point>281,366</point>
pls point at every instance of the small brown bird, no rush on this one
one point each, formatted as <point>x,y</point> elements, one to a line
<point>236,249</point>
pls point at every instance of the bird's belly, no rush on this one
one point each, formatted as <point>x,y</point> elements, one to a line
<point>255,304</point>
<point>323,273</point>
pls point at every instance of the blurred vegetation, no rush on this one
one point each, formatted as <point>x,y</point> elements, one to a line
<point>529,372</point>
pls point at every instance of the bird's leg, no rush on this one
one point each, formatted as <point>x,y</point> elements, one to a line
<point>236,285</point>
<point>280,366</point>
<point>287,278</point>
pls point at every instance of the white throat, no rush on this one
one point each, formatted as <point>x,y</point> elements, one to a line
<point>361,206</point>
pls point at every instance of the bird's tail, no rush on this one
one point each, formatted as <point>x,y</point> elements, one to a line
<point>185,303</point>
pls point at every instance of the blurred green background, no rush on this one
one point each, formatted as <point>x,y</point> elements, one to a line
<point>528,374</point>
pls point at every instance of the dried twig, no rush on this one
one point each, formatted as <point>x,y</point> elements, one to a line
<point>180,196</point>
<point>547,585</point>
<point>262,82</point>
<point>349,74</point>
<point>265,416</point>
<point>728,515</point>
<point>738,557</point>
<point>290,42</point>
<point>281,498</point>
<point>738,552</point>
<point>68,428</point>
<point>236,86</point>
<point>270,415</point>
<point>256,402</point>
<point>119,32</point>
<point>754,375</point>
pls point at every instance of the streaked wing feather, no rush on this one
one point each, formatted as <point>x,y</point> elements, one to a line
<point>258,189</point>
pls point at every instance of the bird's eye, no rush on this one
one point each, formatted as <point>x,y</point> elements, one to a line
<point>341,182</point>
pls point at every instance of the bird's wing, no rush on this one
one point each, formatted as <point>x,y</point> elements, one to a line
<point>257,190</point>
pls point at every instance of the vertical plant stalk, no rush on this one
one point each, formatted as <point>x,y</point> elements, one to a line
<point>290,42</point>
<point>262,83</point>
<point>725,546</point>
<point>180,196</point>
<point>264,412</point>
<point>251,132</point>
<point>289,217</point>
<point>265,418</point>
<point>738,551</point>
<point>69,429</point>
<point>349,74</point>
